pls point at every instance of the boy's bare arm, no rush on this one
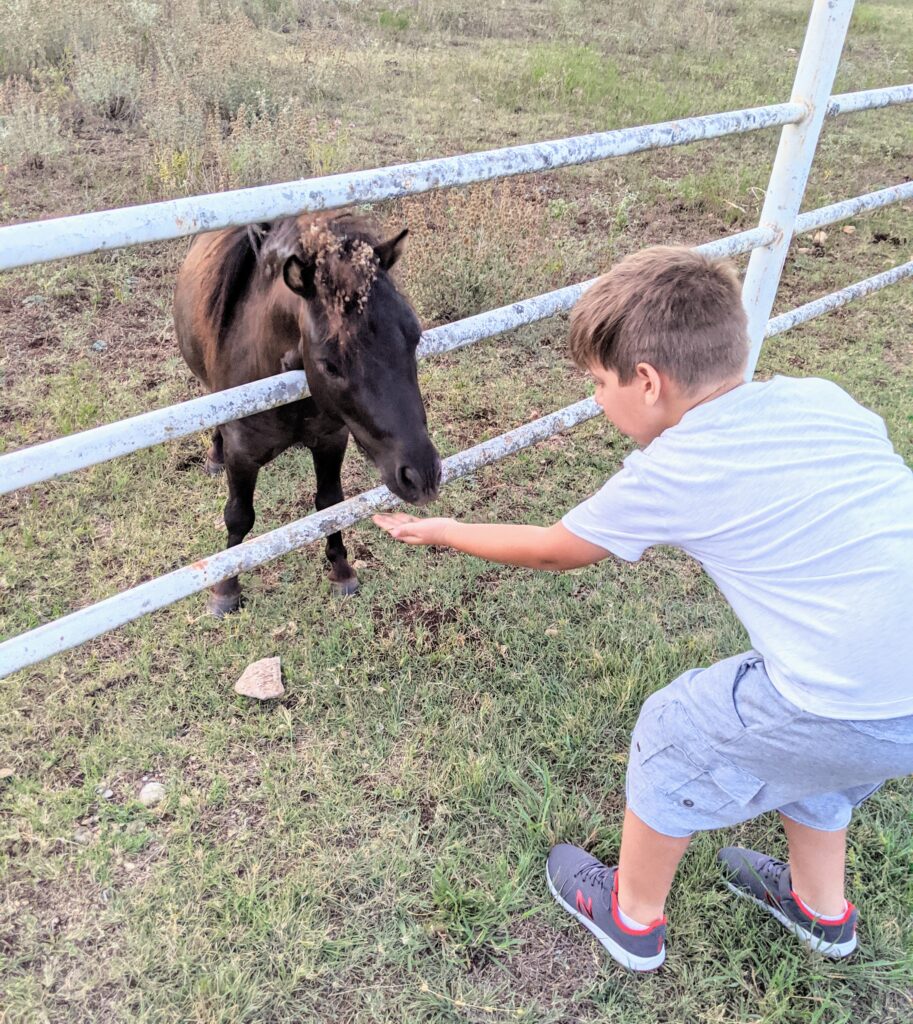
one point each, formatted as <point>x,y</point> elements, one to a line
<point>536,547</point>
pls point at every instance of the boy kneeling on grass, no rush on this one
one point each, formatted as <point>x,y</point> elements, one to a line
<point>793,500</point>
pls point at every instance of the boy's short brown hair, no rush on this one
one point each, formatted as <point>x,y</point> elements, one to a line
<point>668,306</point>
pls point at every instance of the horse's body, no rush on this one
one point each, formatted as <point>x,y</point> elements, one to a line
<point>311,293</point>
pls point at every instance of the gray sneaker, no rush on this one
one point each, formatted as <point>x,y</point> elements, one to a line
<point>767,882</point>
<point>587,889</point>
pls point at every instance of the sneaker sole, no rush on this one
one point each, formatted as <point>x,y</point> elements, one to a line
<point>617,952</point>
<point>832,950</point>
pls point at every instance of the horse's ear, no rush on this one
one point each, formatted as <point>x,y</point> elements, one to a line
<point>299,276</point>
<point>390,251</point>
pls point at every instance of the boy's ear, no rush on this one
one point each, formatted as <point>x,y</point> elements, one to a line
<point>650,381</point>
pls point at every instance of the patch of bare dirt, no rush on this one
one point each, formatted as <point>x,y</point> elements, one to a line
<point>414,613</point>
<point>547,966</point>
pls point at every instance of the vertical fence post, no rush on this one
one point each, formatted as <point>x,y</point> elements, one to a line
<point>818,62</point>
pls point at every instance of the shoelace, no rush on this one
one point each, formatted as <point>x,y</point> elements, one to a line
<point>595,874</point>
<point>770,873</point>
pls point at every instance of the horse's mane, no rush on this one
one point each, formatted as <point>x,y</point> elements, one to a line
<point>340,245</point>
<point>231,267</point>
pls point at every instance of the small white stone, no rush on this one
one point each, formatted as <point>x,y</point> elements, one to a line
<point>151,794</point>
<point>82,836</point>
<point>261,680</point>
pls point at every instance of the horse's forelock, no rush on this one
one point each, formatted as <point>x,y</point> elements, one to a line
<point>341,249</point>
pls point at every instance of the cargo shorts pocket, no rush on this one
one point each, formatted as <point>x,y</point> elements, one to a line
<point>676,759</point>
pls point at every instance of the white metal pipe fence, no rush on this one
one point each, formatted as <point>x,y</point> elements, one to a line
<point>40,241</point>
<point>101,444</point>
<point>26,244</point>
<point>789,174</point>
<point>810,310</point>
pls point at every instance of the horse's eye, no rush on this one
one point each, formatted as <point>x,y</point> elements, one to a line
<point>331,369</point>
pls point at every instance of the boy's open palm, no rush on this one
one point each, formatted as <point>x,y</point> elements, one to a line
<point>411,529</point>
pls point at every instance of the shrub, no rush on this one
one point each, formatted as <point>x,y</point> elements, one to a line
<point>476,248</point>
<point>198,152</point>
<point>110,85</point>
<point>261,147</point>
<point>36,34</point>
<point>30,134</point>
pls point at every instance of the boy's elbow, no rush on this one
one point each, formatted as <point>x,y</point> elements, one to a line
<point>553,562</point>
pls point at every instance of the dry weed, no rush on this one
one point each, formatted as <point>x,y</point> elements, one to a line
<point>195,151</point>
<point>260,147</point>
<point>30,133</point>
<point>476,248</point>
<point>110,84</point>
<point>34,33</point>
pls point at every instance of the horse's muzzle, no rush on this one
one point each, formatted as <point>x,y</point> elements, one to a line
<point>417,482</point>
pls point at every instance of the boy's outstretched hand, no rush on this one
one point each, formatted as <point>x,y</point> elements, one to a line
<point>412,530</point>
<point>536,547</point>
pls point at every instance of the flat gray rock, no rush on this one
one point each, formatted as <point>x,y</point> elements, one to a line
<point>151,794</point>
<point>261,680</point>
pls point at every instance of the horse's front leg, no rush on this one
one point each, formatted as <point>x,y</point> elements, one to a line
<point>241,472</point>
<point>328,453</point>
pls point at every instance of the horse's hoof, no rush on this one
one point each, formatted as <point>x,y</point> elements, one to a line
<point>221,605</point>
<point>211,468</point>
<point>344,588</point>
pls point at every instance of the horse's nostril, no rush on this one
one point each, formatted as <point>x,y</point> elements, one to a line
<point>408,479</point>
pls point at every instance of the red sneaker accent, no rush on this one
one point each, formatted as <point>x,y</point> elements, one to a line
<point>585,906</point>
<point>632,931</point>
<point>822,920</point>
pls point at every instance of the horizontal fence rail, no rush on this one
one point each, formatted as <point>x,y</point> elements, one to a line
<point>87,623</point>
<point>101,444</point>
<point>810,310</point>
<point>825,215</point>
<point>871,99</point>
<point>41,241</point>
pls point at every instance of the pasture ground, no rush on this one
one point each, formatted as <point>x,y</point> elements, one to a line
<point>370,847</point>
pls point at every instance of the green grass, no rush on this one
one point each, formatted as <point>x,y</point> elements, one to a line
<point>369,848</point>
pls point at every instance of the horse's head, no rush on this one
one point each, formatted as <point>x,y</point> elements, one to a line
<point>358,342</point>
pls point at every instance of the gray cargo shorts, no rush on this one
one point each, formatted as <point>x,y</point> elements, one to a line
<point>720,745</point>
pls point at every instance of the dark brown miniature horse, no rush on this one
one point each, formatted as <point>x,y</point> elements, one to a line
<point>313,293</point>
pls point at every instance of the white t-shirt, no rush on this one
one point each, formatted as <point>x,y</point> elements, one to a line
<point>793,500</point>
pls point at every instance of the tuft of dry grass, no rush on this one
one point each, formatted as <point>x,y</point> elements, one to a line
<point>196,152</point>
<point>478,248</point>
<point>31,134</point>
<point>110,84</point>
